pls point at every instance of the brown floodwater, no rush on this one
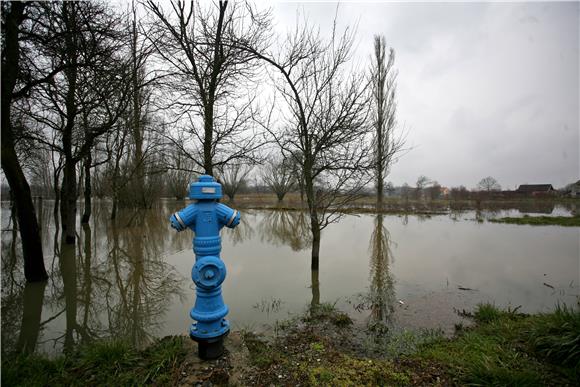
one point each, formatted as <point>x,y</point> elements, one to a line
<point>130,279</point>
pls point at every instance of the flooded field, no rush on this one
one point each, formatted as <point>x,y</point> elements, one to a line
<point>132,280</point>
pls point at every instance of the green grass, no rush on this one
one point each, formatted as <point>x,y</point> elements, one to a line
<point>509,349</point>
<point>556,336</point>
<point>261,354</point>
<point>346,370</point>
<point>103,363</point>
<point>487,313</point>
<point>504,348</point>
<point>568,221</point>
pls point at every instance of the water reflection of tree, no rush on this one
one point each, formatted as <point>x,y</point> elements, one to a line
<point>141,282</point>
<point>116,284</point>
<point>242,232</point>
<point>12,279</point>
<point>289,228</point>
<point>68,270</point>
<point>12,290</point>
<point>31,316</point>
<point>381,297</point>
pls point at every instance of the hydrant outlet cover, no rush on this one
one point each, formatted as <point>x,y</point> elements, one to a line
<point>208,272</point>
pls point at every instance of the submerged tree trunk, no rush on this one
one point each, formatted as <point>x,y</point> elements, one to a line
<point>68,203</point>
<point>315,285</point>
<point>115,190</point>
<point>87,276</point>
<point>34,269</point>
<point>87,192</point>
<point>313,209</point>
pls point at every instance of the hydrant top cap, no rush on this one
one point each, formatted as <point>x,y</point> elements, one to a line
<point>205,188</point>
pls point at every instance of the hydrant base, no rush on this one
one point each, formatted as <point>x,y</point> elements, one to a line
<point>210,349</point>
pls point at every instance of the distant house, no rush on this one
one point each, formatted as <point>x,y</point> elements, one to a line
<point>536,189</point>
<point>573,190</point>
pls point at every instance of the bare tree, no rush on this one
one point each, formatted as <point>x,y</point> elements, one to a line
<point>206,71</point>
<point>87,98</point>
<point>279,177</point>
<point>459,193</point>
<point>434,190</point>
<point>488,184</point>
<point>406,191</point>
<point>326,130</point>
<point>179,175</point>
<point>422,183</point>
<point>233,177</point>
<point>139,117</point>
<point>389,188</point>
<point>386,143</point>
<point>13,16</point>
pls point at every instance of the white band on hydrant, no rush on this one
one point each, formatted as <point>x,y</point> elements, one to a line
<point>179,220</point>
<point>232,218</point>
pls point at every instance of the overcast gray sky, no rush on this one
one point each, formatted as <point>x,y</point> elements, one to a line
<point>483,88</point>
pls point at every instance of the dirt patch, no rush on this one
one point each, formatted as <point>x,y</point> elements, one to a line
<point>227,370</point>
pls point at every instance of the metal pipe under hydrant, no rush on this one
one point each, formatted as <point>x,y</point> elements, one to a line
<point>206,217</point>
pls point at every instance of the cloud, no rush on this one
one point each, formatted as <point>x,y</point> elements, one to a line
<point>484,88</point>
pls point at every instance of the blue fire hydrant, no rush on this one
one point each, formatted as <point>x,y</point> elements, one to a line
<point>206,217</point>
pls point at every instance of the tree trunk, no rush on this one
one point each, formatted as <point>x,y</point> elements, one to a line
<point>208,138</point>
<point>315,246</point>
<point>315,285</point>
<point>380,124</point>
<point>380,188</point>
<point>87,274</point>
<point>12,264</point>
<point>34,269</point>
<point>56,207</point>
<point>137,126</point>
<point>115,192</point>
<point>68,192</point>
<point>87,192</point>
<point>115,205</point>
<point>313,210</point>
<point>212,90</point>
<point>68,203</point>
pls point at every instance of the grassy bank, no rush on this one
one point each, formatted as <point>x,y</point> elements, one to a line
<point>568,221</point>
<point>100,364</point>
<point>503,348</point>
<point>323,347</point>
<point>507,348</point>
